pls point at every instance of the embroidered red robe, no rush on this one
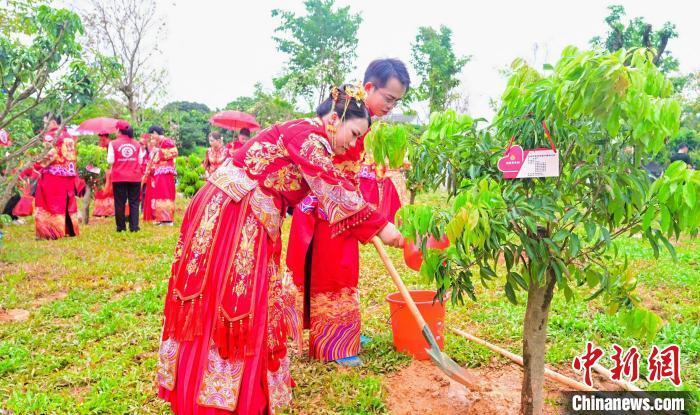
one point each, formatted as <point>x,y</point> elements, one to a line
<point>227,312</point>
<point>56,213</point>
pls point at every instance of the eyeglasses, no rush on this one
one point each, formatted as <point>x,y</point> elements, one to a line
<point>388,100</point>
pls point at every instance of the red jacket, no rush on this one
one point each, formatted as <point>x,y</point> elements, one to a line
<point>126,167</point>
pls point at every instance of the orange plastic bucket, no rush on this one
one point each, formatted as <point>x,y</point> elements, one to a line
<point>408,337</point>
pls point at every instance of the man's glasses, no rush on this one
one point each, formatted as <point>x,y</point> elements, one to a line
<point>389,100</point>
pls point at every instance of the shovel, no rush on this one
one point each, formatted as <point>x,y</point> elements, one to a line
<point>441,360</point>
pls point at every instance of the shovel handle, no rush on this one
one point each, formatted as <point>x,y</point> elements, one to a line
<point>401,286</point>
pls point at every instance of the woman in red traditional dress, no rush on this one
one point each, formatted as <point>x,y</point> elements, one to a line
<point>151,145</point>
<point>104,197</point>
<point>223,346</point>
<point>232,146</point>
<point>56,212</point>
<point>326,270</point>
<point>161,178</point>
<point>216,153</point>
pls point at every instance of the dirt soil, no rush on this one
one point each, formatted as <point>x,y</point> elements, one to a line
<point>421,388</point>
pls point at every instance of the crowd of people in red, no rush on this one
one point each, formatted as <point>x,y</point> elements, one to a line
<point>231,305</point>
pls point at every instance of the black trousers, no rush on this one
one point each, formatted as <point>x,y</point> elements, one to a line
<point>7,210</point>
<point>122,192</point>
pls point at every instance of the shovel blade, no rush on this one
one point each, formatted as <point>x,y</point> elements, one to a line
<point>453,370</point>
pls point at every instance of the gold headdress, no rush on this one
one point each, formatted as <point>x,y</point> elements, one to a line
<point>352,91</point>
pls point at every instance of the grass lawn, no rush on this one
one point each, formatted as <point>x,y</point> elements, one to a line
<point>95,303</point>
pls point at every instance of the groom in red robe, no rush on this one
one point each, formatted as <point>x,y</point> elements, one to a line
<point>325,269</point>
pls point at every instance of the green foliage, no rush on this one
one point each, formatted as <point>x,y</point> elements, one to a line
<point>451,147</point>
<point>321,46</point>
<point>596,104</point>
<point>186,106</point>
<point>638,33</point>
<point>437,65</point>
<point>388,143</point>
<point>101,107</point>
<point>190,174</point>
<point>194,128</point>
<point>92,155</point>
<point>268,108</point>
<point>42,68</point>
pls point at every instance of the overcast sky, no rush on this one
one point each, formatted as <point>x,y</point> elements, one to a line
<point>216,51</point>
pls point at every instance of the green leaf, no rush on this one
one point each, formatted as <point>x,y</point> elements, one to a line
<point>689,194</point>
<point>669,247</point>
<point>665,219</point>
<point>510,293</point>
<point>590,231</point>
<point>574,245</point>
<point>648,217</point>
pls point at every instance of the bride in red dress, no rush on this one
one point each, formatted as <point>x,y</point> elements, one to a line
<point>216,153</point>
<point>226,313</point>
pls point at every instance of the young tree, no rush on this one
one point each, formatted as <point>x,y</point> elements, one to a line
<point>131,31</point>
<point>437,66</point>
<point>559,232</point>
<point>639,33</point>
<point>321,47</point>
<point>42,67</point>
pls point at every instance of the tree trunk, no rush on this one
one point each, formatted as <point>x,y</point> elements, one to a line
<point>413,197</point>
<point>539,299</point>
<point>86,204</point>
<point>6,194</point>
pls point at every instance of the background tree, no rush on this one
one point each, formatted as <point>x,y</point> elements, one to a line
<point>267,107</point>
<point>186,106</point>
<point>42,69</point>
<point>130,30</point>
<point>321,46</point>
<point>639,33</point>
<point>437,66</point>
<point>559,233</point>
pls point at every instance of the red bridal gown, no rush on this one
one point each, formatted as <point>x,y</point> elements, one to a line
<point>227,311</point>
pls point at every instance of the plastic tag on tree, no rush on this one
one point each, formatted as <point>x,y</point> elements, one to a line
<point>518,163</point>
<point>5,139</point>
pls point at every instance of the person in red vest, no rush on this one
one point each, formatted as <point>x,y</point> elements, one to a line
<point>125,156</point>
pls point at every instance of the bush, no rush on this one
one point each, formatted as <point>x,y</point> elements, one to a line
<point>190,174</point>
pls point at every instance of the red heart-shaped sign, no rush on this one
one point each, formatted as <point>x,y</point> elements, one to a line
<point>512,161</point>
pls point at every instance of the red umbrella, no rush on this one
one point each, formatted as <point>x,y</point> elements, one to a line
<point>99,125</point>
<point>234,120</point>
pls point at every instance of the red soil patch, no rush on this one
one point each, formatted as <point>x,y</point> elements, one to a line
<point>8,316</point>
<point>423,388</point>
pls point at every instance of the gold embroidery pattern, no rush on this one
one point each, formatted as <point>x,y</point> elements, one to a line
<point>317,151</point>
<point>167,363</point>
<point>204,234</point>
<point>233,181</point>
<point>245,257</point>
<point>275,305</point>
<point>267,212</point>
<point>338,202</point>
<point>221,382</point>
<point>280,386</point>
<point>288,178</point>
<point>260,155</point>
